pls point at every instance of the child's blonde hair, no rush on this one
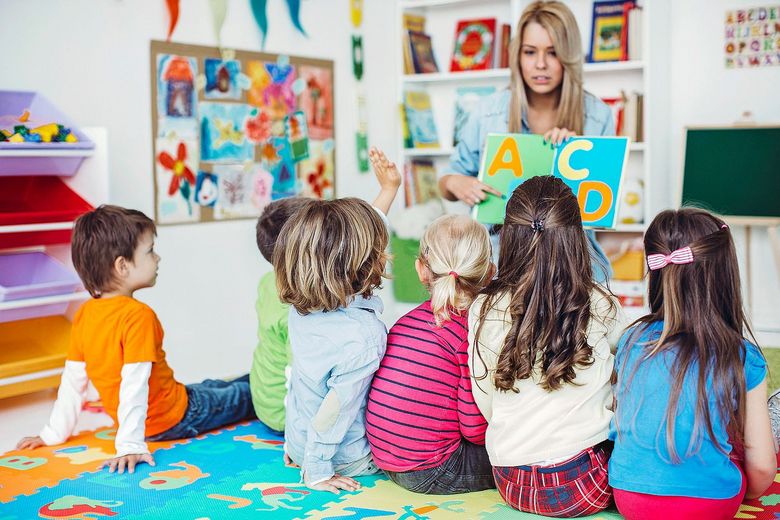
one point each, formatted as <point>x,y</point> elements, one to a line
<point>328,252</point>
<point>456,250</point>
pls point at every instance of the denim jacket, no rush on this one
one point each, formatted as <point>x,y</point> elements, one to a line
<point>335,355</point>
<point>492,116</point>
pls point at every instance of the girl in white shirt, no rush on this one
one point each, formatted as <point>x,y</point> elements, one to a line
<point>541,335</point>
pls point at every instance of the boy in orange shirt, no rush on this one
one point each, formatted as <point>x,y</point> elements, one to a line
<point>116,342</point>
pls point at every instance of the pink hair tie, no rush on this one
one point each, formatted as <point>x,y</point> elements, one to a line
<point>453,273</point>
<point>678,257</point>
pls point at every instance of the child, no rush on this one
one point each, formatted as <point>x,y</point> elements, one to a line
<point>539,350</point>
<point>691,390</point>
<point>423,426</point>
<point>116,342</point>
<point>271,361</point>
<point>329,259</point>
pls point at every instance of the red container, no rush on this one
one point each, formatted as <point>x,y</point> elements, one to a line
<point>37,200</point>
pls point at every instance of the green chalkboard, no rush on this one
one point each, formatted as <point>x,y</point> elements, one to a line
<point>733,171</point>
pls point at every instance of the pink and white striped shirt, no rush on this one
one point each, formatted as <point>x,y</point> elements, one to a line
<point>420,406</point>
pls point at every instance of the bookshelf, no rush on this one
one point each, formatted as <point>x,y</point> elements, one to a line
<point>648,76</point>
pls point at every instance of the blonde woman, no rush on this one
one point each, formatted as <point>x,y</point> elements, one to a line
<point>423,426</point>
<point>545,96</point>
<point>329,259</point>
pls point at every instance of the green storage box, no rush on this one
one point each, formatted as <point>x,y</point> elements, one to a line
<point>406,286</point>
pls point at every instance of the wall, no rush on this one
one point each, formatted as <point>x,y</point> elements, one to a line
<point>704,92</point>
<point>91,58</point>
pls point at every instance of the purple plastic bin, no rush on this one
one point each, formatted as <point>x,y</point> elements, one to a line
<point>36,311</point>
<point>32,275</point>
<point>38,158</point>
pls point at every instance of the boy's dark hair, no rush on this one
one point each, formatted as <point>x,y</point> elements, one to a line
<point>100,237</point>
<point>273,219</point>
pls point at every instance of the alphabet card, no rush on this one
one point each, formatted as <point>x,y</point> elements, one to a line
<point>592,167</point>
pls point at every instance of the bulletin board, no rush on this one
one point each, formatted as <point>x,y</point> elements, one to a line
<point>733,171</point>
<point>233,130</point>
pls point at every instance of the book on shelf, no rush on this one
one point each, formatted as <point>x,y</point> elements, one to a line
<point>616,105</point>
<point>474,45</point>
<point>422,53</point>
<point>408,143</point>
<point>502,52</point>
<point>422,182</point>
<point>633,115</point>
<point>419,117</point>
<point>635,33</point>
<point>414,23</point>
<point>466,100</point>
<point>609,30</point>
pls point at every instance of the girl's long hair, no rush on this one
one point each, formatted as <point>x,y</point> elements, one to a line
<point>704,325</point>
<point>544,266</point>
<point>561,25</point>
<point>456,251</point>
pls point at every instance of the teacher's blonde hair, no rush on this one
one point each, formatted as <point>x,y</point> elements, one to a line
<point>329,252</point>
<point>560,24</point>
<point>456,251</point>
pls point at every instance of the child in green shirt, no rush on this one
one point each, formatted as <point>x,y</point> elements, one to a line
<point>270,364</point>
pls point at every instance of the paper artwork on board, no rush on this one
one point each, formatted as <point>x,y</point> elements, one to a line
<point>222,132</point>
<point>276,157</point>
<point>206,189</point>
<point>298,135</point>
<point>175,164</point>
<point>176,95</point>
<point>222,79</point>
<point>317,171</point>
<point>271,87</point>
<point>258,126</point>
<point>753,37</point>
<point>317,101</point>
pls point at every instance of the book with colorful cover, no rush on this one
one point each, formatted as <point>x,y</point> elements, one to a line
<point>503,46</point>
<point>414,23</point>
<point>474,45</point>
<point>593,167</point>
<point>426,185</point>
<point>466,99</point>
<point>422,53</point>
<point>609,30</point>
<point>419,118</point>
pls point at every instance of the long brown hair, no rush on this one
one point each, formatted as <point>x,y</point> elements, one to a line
<point>328,252</point>
<point>560,24</point>
<point>700,304</point>
<point>544,266</point>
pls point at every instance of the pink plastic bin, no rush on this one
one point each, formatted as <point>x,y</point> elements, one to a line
<point>61,159</point>
<point>32,275</point>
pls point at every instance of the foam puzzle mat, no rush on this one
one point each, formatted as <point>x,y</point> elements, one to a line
<point>233,473</point>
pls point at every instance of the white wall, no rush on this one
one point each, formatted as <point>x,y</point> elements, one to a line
<point>91,58</point>
<point>704,92</point>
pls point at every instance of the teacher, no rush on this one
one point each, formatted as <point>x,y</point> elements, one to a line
<point>545,96</point>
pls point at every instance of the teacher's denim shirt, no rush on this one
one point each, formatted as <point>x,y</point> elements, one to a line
<point>491,116</point>
<point>334,357</point>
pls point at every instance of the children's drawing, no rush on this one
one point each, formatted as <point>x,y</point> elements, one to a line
<point>317,170</point>
<point>176,95</point>
<point>206,189</point>
<point>175,163</point>
<point>258,126</point>
<point>317,101</point>
<point>222,79</point>
<point>272,87</point>
<point>262,184</point>
<point>298,135</point>
<point>222,127</point>
<point>277,158</point>
<point>235,188</point>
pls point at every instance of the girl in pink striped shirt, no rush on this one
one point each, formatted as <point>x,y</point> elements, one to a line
<point>421,421</point>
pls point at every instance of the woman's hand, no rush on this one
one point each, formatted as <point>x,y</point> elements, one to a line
<point>558,136</point>
<point>466,188</point>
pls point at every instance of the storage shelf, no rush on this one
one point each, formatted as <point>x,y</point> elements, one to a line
<point>45,300</point>
<point>45,226</point>
<point>490,74</point>
<point>417,4</point>
<point>35,345</point>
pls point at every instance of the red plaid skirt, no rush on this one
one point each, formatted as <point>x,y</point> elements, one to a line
<point>575,487</point>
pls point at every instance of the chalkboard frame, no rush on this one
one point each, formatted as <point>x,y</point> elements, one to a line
<point>732,219</point>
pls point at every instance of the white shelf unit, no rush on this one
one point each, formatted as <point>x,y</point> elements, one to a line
<point>31,363</point>
<point>648,76</point>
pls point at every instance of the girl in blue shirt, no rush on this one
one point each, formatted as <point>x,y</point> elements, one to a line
<point>545,96</point>
<point>691,426</point>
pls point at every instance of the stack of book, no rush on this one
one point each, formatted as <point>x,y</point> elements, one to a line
<point>419,128</point>
<point>627,113</point>
<point>420,182</point>
<point>616,31</point>
<point>418,50</point>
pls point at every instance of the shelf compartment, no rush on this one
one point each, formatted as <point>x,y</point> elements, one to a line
<point>37,200</point>
<point>56,158</point>
<point>37,307</point>
<point>34,274</point>
<point>35,345</point>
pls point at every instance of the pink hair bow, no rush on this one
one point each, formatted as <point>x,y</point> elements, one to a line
<point>680,256</point>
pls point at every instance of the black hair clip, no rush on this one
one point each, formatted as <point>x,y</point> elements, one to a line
<point>537,225</point>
